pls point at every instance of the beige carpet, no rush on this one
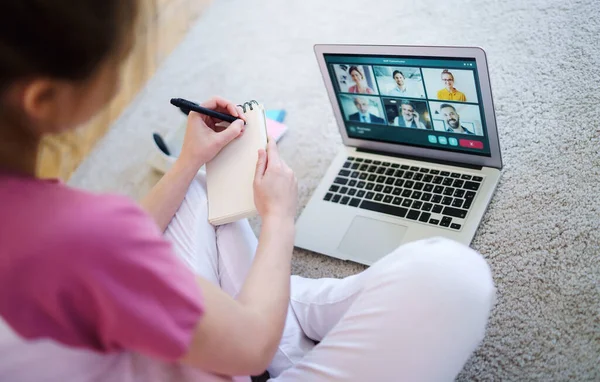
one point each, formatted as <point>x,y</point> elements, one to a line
<point>541,233</point>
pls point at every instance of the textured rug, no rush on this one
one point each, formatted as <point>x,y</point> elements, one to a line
<point>541,233</point>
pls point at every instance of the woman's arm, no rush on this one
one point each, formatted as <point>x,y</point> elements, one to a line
<point>240,337</point>
<point>203,141</point>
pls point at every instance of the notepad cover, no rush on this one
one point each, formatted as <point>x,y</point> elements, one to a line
<point>230,175</point>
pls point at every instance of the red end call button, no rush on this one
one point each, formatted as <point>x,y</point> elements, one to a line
<point>471,144</point>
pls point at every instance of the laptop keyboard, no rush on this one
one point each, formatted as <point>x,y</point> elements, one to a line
<point>433,197</point>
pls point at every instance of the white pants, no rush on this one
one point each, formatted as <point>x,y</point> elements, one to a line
<point>415,315</point>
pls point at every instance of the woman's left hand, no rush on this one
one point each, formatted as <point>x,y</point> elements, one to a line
<point>204,139</point>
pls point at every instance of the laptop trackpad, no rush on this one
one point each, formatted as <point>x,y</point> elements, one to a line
<point>369,239</point>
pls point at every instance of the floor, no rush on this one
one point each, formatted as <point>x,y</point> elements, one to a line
<point>541,234</point>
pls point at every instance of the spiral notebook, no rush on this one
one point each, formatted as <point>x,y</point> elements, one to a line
<point>230,175</point>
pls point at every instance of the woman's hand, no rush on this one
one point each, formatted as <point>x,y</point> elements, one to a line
<point>204,139</point>
<point>275,186</point>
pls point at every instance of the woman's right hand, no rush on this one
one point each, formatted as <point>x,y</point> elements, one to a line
<point>275,186</point>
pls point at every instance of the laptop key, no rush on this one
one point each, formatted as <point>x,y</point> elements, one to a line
<point>444,173</point>
<point>467,204</point>
<point>355,174</point>
<point>428,188</point>
<point>407,202</point>
<point>345,200</point>
<point>352,191</point>
<point>424,217</point>
<point>434,172</point>
<point>426,197</point>
<point>459,193</point>
<point>355,165</point>
<point>372,168</point>
<point>344,173</point>
<point>380,170</point>
<point>388,199</point>
<point>397,191</point>
<point>370,186</point>
<point>418,176</point>
<point>427,207</point>
<point>447,201</point>
<point>360,193</point>
<point>455,226</point>
<point>395,165</point>
<point>413,214</point>
<point>449,191</point>
<point>363,176</point>
<point>386,164</point>
<point>404,167</point>
<point>477,179</point>
<point>359,159</point>
<point>350,158</point>
<point>455,175</point>
<point>342,181</point>
<point>436,198</point>
<point>471,186</point>
<point>389,181</point>
<point>434,221</point>
<point>458,183</point>
<point>457,203</point>
<point>399,173</point>
<point>384,208</point>
<point>414,168</point>
<point>409,184</point>
<point>438,189</point>
<point>352,183</point>
<point>378,188</point>
<point>343,190</point>
<point>418,186</point>
<point>336,198</point>
<point>390,171</point>
<point>372,178</point>
<point>417,195</point>
<point>347,164</point>
<point>328,196</point>
<point>446,221</point>
<point>427,178</point>
<point>437,180</point>
<point>361,184</point>
<point>399,182</point>
<point>370,195</point>
<point>424,170</point>
<point>417,205</point>
<point>408,175</point>
<point>381,179</point>
<point>387,190</point>
<point>378,197</point>
<point>406,193</point>
<point>377,162</point>
<point>354,202</point>
<point>447,181</point>
<point>363,167</point>
<point>334,188</point>
<point>437,209</point>
<point>397,201</point>
<point>455,212</point>
<point>368,161</point>
<point>470,195</point>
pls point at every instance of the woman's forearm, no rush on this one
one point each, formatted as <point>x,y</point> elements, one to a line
<point>166,196</point>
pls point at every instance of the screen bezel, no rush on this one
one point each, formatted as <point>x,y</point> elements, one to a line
<point>494,160</point>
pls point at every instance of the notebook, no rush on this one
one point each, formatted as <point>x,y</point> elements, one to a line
<point>230,175</point>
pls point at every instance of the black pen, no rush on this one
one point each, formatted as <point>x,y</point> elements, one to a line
<point>187,106</point>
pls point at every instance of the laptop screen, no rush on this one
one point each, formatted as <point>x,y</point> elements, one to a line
<point>432,102</point>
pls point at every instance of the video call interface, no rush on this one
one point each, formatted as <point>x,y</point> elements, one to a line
<point>421,101</point>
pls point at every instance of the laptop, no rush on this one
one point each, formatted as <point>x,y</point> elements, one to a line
<point>421,155</point>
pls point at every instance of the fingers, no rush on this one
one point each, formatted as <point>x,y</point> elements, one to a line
<point>261,165</point>
<point>233,131</point>
<point>272,152</point>
<point>224,106</point>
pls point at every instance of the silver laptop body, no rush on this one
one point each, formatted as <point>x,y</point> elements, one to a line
<point>421,155</point>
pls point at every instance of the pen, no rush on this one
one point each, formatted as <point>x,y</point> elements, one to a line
<point>187,106</point>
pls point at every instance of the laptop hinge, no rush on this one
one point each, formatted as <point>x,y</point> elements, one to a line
<point>437,161</point>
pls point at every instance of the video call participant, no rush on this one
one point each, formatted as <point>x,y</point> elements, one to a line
<point>363,114</point>
<point>449,93</point>
<point>408,117</point>
<point>452,119</point>
<point>359,79</point>
<point>401,89</point>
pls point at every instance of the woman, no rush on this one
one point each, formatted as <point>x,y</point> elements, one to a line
<point>359,82</point>
<point>91,289</point>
